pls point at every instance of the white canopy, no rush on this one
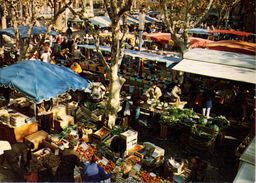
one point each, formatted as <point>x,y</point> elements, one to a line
<point>246,172</point>
<point>219,64</point>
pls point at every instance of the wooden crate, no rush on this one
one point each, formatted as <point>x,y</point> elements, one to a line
<point>101,135</point>
<point>36,138</point>
<point>17,134</point>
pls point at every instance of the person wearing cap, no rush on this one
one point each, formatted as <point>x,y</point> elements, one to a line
<point>154,92</point>
<point>18,158</point>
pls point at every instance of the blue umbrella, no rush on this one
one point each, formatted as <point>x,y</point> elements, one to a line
<point>23,30</point>
<point>41,81</point>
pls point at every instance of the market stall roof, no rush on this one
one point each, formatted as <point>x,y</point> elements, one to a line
<point>238,33</point>
<point>23,30</point>
<point>219,64</point>
<point>101,21</point>
<point>104,21</point>
<point>198,31</point>
<point>40,81</point>
<point>159,37</point>
<point>169,60</point>
<point>148,19</point>
<point>249,154</point>
<point>246,172</point>
<point>233,46</point>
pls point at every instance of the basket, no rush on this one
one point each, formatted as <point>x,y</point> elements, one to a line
<point>205,141</point>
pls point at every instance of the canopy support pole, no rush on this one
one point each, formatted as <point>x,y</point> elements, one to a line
<point>35,110</point>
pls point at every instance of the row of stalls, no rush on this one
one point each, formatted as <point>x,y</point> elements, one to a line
<point>224,68</point>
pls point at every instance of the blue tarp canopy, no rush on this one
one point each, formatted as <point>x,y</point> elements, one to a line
<point>23,30</point>
<point>169,60</point>
<point>40,81</point>
<point>198,31</point>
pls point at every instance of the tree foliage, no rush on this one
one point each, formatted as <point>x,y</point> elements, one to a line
<point>182,15</point>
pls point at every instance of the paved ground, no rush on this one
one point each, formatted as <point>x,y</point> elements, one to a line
<point>222,163</point>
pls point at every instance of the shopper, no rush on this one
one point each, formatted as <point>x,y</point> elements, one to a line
<point>93,172</point>
<point>18,158</point>
<point>118,145</point>
<point>136,103</point>
<point>154,92</point>
<point>175,93</point>
<point>207,102</point>
<point>65,170</point>
<point>198,170</point>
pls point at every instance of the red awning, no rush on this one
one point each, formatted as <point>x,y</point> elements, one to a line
<point>233,46</point>
<point>159,37</point>
<point>239,33</point>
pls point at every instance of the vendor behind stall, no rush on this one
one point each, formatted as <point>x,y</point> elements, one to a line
<point>175,93</point>
<point>154,92</point>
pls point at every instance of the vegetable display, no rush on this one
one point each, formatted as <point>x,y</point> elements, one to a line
<point>188,117</point>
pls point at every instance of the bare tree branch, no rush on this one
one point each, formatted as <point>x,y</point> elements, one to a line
<point>124,37</point>
<point>95,35</point>
<point>108,8</point>
<point>126,8</point>
<point>204,13</point>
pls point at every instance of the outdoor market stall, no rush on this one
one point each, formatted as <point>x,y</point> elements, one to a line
<point>219,64</point>
<point>38,82</point>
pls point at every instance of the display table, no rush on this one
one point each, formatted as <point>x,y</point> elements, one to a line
<point>17,134</point>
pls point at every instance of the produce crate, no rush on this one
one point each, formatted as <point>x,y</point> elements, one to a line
<point>202,146</point>
<point>36,138</point>
<point>101,135</point>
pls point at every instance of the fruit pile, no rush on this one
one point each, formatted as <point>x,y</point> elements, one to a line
<point>85,154</point>
<point>108,167</point>
<point>146,177</point>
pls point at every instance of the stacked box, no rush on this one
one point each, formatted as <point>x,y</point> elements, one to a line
<point>59,110</point>
<point>17,119</point>
<point>131,138</point>
<point>37,138</point>
<point>71,107</point>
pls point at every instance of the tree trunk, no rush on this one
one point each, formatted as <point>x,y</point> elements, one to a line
<point>58,23</point>
<point>116,82</point>
<point>3,19</point>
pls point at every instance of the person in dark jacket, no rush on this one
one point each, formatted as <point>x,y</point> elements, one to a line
<point>136,103</point>
<point>65,170</point>
<point>92,172</point>
<point>118,145</point>
<point>207,102</point>
<point>18,158</point>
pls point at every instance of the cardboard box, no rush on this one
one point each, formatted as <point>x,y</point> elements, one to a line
<point>66,121</point>
<point>59,110</point>
<point>130,135</point>
<point>71,107</point>
<point>37,138</point>
<point>158,152</point>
